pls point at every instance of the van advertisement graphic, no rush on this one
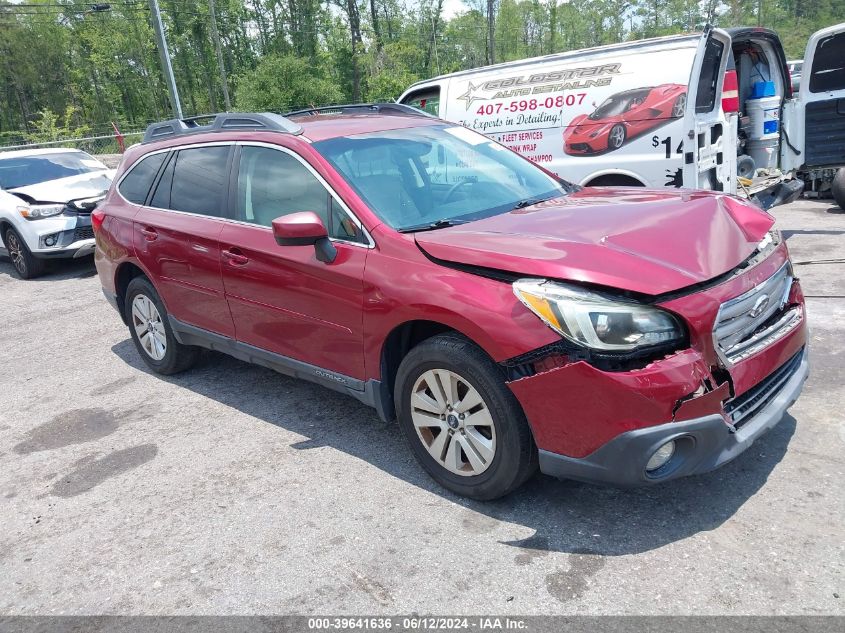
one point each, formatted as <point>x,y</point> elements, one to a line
<point>622,117</point>
<point>567,115</point>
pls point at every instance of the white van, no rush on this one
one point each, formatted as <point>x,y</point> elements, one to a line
<point>691,111</point>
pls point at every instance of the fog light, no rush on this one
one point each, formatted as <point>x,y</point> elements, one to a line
<point>49,240</point>
<point>661,456</point>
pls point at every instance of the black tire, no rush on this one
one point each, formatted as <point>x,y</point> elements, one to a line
<point>176,357</point>
<point>838,188</point>
<point>616,132</point>
<point>515,457</point>
<point>26,264</point>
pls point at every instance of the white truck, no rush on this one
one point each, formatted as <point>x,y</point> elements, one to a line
<point>713,110</point>
<point>46,199</point>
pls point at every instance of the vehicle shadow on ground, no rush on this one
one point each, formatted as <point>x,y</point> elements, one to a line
<point>566,516</point>
<point>787,233</point>
<point>58,270</point>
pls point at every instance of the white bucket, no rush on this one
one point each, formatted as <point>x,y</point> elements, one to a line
<point>764,115</point>
<point>764,152</point>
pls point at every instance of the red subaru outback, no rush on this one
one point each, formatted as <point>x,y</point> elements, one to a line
<point>507,319</point>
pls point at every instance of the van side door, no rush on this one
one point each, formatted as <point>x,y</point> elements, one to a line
<point>709,144</point>
<point>816,124</point>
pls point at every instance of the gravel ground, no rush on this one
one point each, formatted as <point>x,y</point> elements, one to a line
<point>234,490</point>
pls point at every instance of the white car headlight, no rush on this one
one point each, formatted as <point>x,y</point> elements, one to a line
<point>38,211</point>
<point>596,321</point>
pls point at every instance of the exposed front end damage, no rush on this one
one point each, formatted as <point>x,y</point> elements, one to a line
<point>604,423</point>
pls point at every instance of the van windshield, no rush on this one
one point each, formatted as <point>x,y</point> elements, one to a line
<point>22,171</point>
<point>430,177</point>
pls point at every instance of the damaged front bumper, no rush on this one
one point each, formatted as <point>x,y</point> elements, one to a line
<point>701,444</point>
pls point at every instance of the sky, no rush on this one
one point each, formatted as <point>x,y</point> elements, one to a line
<point>451,8</point>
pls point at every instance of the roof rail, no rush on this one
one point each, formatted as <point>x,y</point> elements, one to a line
<point>361,108</point>
<point>223,122</point>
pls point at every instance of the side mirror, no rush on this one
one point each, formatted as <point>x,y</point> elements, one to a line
<point>305,229</point>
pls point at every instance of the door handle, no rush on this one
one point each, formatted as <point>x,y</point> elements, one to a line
<point>235,257</point>
<point>149,234</point>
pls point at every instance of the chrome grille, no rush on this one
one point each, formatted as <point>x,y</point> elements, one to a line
<point>743,408</point>
<point>756,319</point>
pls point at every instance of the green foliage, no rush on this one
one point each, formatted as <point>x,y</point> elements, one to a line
<point>49,126</point>
<point>57,56</point>
<point>283,82</point>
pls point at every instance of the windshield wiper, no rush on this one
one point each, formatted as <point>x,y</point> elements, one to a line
<point>430,226</point>
<point>529,202</point>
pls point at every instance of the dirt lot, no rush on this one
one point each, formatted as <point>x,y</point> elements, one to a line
<point>231,489</point>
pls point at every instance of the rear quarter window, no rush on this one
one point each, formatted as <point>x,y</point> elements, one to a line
<point>136,184</point>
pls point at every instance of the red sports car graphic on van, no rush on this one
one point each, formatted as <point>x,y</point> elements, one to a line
<point>622,117</point>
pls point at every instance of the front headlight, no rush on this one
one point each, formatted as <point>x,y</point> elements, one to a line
<point>597,321</point>
<point>38,211</point>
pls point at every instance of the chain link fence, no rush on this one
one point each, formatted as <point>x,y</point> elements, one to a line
<point>107,148</point>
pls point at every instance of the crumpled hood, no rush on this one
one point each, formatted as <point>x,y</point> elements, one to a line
<point>641,240</point>
<point>89,185</point>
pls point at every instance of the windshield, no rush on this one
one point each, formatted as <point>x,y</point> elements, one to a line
<point>442,174</point>
<point>617,104</point>
<point>21,171</point>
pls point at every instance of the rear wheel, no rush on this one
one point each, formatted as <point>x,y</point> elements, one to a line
<point>151,331</point>
<point>464,425</point>
<point>838,188</point>
<point>679,106</point>
<point>26,264</point>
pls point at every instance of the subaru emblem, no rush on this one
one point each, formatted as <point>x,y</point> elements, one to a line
<point>759,306</point>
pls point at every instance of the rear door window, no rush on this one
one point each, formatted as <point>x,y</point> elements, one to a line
<point>195,181</point>
<point>829,64</point>
<point>708,81</point>
<point>136,184</point>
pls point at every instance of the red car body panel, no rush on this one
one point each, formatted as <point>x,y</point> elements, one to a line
<point>340,315</point>
<point>600,405</point>
<point>282,302</point>
<point>482,309</point>
<point>584,135</point>
<point>182,253</point>
<point>618,237</point>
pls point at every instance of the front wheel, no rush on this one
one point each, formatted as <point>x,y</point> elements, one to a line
<point>616,138</point>
<point>151,331</point>
<point>464,425</point>
<point>26,264</point>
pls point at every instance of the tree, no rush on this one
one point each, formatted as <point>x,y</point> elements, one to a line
<point>282,83</point>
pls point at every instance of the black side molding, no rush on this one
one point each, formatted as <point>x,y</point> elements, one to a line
<point>370,392</point>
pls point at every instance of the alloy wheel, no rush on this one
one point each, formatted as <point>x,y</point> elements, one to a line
<point>149,327</point>
<point>617,136</point>
<point>453,422</point>
<point>16,252</point>
<point>679,106</point>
